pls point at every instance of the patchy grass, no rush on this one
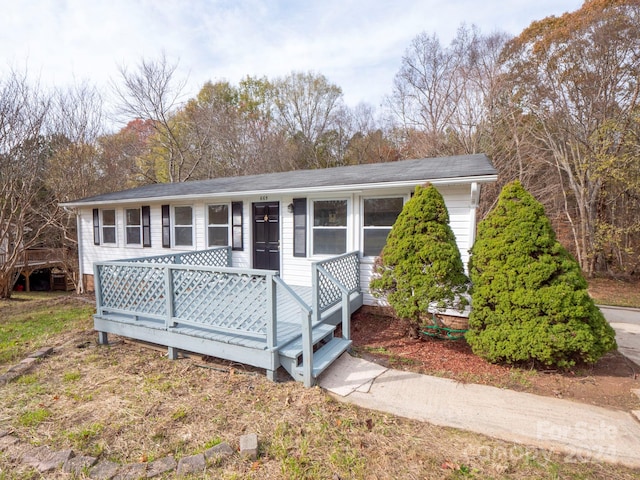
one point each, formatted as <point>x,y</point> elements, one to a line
<point>620,293</point>
<point>29,320</point>
<point>128,403</point>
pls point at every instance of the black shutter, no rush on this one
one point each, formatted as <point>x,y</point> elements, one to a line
<point>146,226</point>
<point>96,226</point>
<point>299,227</point>
<point>236,226</point>
<point>166,227</point>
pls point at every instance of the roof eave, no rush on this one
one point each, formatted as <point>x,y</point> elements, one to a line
<point>280,191</point>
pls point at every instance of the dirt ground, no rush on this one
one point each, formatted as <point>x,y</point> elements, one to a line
<point>383,339</point>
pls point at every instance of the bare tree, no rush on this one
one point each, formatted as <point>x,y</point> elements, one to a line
<point>24,200</point>
<point>576,78</point>
<point>306,108</point>
<point>153,92</point>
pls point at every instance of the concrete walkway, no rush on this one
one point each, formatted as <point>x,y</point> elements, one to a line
<point>582,432</point>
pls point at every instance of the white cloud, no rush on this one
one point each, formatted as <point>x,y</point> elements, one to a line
<point>357,44</point>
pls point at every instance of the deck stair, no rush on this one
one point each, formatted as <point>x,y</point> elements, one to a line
<point>326,349</point>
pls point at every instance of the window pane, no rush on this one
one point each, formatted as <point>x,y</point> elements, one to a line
<point>218,236</point>
<point>133,235</point>
<point>109,234</point>
<point>132,216</point>
<point>381,212</point>
<point>108,217</point>
<point>374,240</point>
<point>183,236</point>
<point>330,213</point>
<point>182,215</point>
<point>218,214</point>
<point>329,241</point>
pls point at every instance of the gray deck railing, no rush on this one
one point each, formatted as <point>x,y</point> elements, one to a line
<point>333,281</point>
<point>170,289</point>
<point>239,301</point>
<point>213,257</point>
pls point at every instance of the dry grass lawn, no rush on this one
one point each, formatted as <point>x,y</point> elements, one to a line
<point>128,403</point>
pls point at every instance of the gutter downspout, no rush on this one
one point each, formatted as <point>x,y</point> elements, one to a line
<point>474,201</point>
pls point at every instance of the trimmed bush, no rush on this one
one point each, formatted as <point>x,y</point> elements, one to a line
<point>420,262</point>
<point>529,296</point>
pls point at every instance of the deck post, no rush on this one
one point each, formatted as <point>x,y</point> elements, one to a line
<point>346,316</point>
<point>168,288</point>
<point>272,315</point>
<point>307,351</point>
<point>315,292</point>
<point>172,353</point>
<point>103,338</point>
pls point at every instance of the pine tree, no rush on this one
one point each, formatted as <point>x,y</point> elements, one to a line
<point>529,296</point>
<point>420,262</point>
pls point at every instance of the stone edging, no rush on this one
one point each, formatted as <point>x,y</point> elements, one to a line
<point>46,460</point>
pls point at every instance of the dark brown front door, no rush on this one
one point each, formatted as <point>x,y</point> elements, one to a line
<point>266,235</point>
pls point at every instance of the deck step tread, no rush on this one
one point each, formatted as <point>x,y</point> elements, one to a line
<point>293,349</point>
<point>324,357</point>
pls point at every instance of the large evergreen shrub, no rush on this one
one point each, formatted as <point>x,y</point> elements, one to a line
<point>529,295</point>
<point>420,262</point>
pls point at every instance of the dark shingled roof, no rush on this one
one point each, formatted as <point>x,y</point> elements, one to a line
<point>426,169</point>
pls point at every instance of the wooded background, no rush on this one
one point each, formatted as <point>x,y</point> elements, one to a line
<point>556,107</point>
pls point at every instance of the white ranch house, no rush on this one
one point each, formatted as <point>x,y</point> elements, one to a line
<point>288,256</point>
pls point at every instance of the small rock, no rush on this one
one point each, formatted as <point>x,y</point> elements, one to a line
<point>43,352</point>
<point>220,450</point>
<point>7,441</point>
<point>249,445</point>
<point>76,465</point>
<point>133,471</point>
<point>105,470</point>
<point>160,466</point>
<point>54,460</point>
<point>192,464</point>
<point>33,456</point>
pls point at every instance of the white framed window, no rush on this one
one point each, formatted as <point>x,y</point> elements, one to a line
<point>378,216</point>
<point>132,226</point>
<point>218,225</point>
<point>329,228</point>
<point>108,226</point>
<point>183,226</point>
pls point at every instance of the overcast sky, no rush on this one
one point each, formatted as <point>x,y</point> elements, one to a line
<point>357,44</point>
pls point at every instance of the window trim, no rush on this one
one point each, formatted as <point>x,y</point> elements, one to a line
<point>363,227</point>
<point>114,227</point>
<point>174,225</point>
<point>127,227</point>
<point>227,225</point>
<point>312,227</point>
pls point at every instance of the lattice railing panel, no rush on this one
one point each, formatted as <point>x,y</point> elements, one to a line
<point>227,300</point>
<point>216,257</point>
<point>137,289</point>
<point>346,270</point>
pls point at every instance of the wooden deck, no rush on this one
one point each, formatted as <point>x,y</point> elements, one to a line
<point>189,302</point>
<point>33,259</point>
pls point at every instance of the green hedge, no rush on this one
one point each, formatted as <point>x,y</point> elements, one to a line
<point>529,296</point>
<point>420,262</point>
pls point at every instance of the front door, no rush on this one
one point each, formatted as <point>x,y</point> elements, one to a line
<point>266,235</point>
